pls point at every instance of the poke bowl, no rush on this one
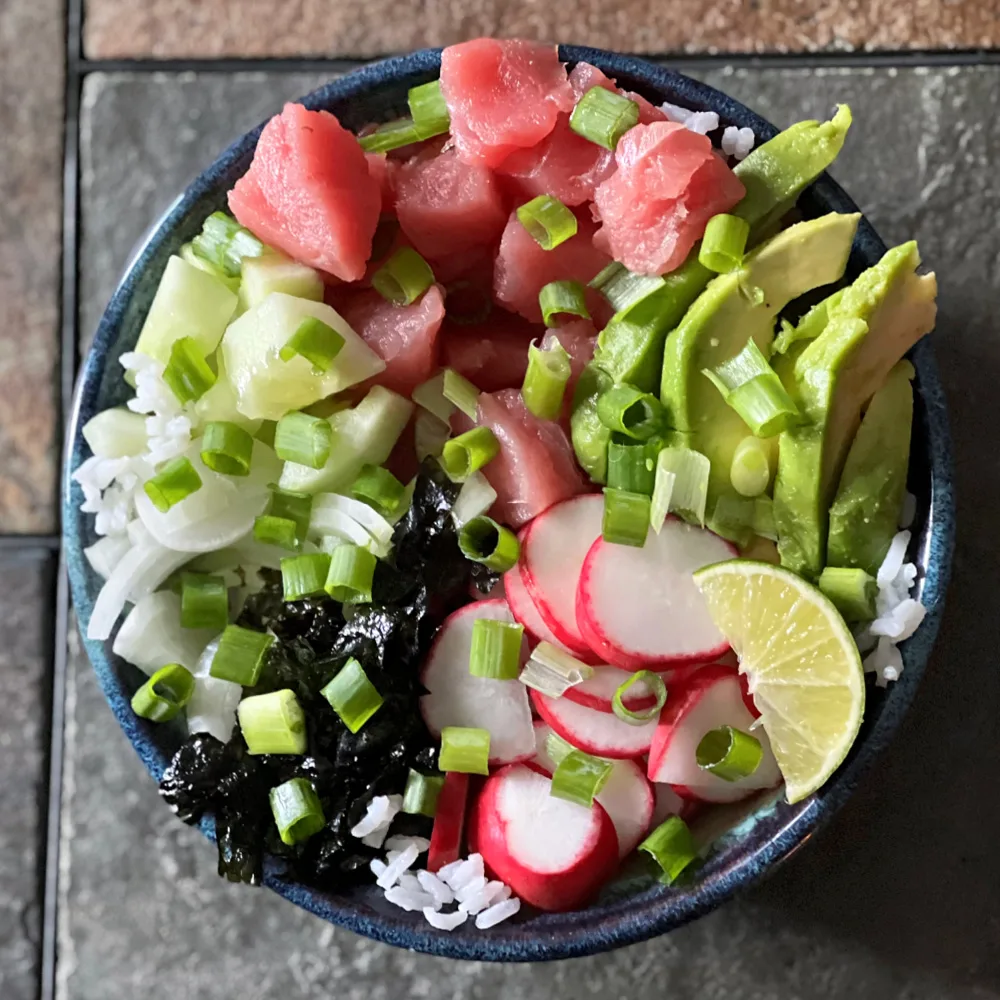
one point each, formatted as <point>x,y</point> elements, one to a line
<point>426,684</point>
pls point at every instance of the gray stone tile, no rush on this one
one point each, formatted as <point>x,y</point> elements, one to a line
<point>25,642</point>
<point>896,899</point>
<point>32,35</point>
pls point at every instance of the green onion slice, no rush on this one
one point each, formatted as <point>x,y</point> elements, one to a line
<point>403,278</point>
<point>733,518</point>
<point>204,601</point>
<point>303,439</point>
<point>273,723</point>
<point>240,655</point>
<point>852,591</point>
<point>553,671</point>
<point>352,695</point>
<point>223,242</point>
<point>459,390</point>
<point>352,570</point>
<point>548,220</point>
<point>672,847</point>
<point>629,468</point>
<point>297,811</point>
<point>562,298</point>
<point>315,341</point>
<point>750,471</point>
<point>655,683</point>
<point>380,489</point>
<point>631,412</point>
<point>723,244</point>
<point>496,649</point>
<point>187,252</point>
<point>545,380</point>
<point>763,518</point>
<point>430,395</point>
<point>626,517</point>
<point>623,289</point>
<point>557,748</point>
<point>163,696</point>
<point>392,135</point>
<point>484,541</point>
<point>187,374</point>
<point>177,480</point>
<point>280,531</point>
<point>227,448</point>
<point>729,753</point>
<point>292,506</point>
<point>464,749</point>
<point>304,576</point>
<point>429,435</point>
<point>681,486</point>
<point>603,116</point>
<point>420,797</point>
<point>579,777</point>
<point>474,499</point>
<point>750,386</point>
<point>469,452</point>
<point>429,109</point>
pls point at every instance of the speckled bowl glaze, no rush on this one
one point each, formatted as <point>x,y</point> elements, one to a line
<point>754,840</point>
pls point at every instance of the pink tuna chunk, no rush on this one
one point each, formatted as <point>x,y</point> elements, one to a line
<point>404,337</point>
<point>446,206</point>
<point>383,171</point>
<point>535,468</point>
<point>492,354</point>
<point>523,267</point>
<point>503,95</point>
<point>655,206</point>
<point>309,192</point>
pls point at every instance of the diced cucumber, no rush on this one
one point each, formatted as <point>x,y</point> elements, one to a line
<point>219,403</point>
<point>190,302</point>
<point>275,272</point>
<point>116,433</point>
<point>267,387</point>
<point>363,435</point>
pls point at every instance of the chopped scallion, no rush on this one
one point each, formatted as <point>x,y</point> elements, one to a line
<point>626,517</point>
<point>750,471</point>
<point>304,576</point>
<point>204,601</point>
<point>474,499</point>
<point>315,341</point>
<point>763,518</point>
<point>403,278</point>
<point>292,506</point>
<point>223,242</point>
<point>459,390</point>
<point>548,220</point>
<point>464,749</point>
<point>723,244</point>
<point>623,289</point>
<point>430,395</point>
<point>420,797</point>
<point>631,412</point>
<point>240,655</point>
<point>672,847</point>
<point>733,518</point>
<point>391,135</point>
<point>687,492</point>
<point>603,116</point>
<point>380,489</point>
<point>175,481</point>
<point>429,435</point>
<point>729,753</point>
<point>187,374</point>
<point>352,695</point>
<point>273,723</point>
<point>352,570</point>
<point>279,531</point>
<point>852,591</point>
<point>655,683</point>
<point>579,777</point>
<point>484,541</point>
<point>629,468</point>
<point>163,696</point>
<point>562,298</point>
<point>496,649</point>
<point>303,439</point>
<point>429,109</point>
<point>226,448</point>
<point>557,748</point>
<point>553,671</point>
<point>545,380</point>
<point>297,811</point>
<point>469,452</point>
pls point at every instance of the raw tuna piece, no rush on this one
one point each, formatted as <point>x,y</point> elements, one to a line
<point>384,171</point>
<point>448,207</point>
<point>503,95</point>
<point>667,186</point>
<point>578,339</point>
<point>309,192</point>
<point>535,468</point>
<point>523,267</point>
<point>494,354</point>
<point>404,337</point>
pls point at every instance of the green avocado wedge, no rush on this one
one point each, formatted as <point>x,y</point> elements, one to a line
<point>869,328</point>
<point>774,175</point>
<point>724,317</point>
<point>589,436</point>
<point>864,515</point>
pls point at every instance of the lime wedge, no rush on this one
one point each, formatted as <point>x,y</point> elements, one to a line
<point>801,663</point>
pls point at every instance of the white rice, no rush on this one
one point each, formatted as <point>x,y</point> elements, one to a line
<point>737,142</point>
<point>400,843</point>
<point>445,872</point>
<point>381,812</point>
<point>893,561</point>
<point>476,902</point>
<point>377,837</point>
<point>377,867</point>
<point>469,889</point>
<point>430,883</point>
<point>498,913</point>
<point>396,867</point>
<point>885,661</point>
<point>445,921</point>
<point>467,871</point>
<point>701,122</point>
<point>407,899</point>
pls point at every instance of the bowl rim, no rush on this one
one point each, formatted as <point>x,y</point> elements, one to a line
<point>656,910</point>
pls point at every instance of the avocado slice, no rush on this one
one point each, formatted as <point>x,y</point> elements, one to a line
<point>724,317</point>
<point>869,328</point>
<point>774,175</point>
<point>864,515</point>
<point>589,436</point>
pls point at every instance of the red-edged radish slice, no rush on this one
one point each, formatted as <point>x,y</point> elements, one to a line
<point>449,821</point>
<point>522,607</point>
<point>711,698</point>
<point>666,803</point>
<point>599,733</point>
<point>554,548</point>
<point>640,608</point>
<point>542,759</point>
<point>456,698</point>
<point>554,854</point>
<point>598,690</point>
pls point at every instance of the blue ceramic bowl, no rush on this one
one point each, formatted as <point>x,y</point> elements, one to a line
<point>635,907</point>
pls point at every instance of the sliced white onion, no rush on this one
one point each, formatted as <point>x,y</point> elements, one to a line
<point>369,519</point>
<point>331,521</point>
<point>138,533</point>
<point>151,635</point>
<point>204,662</point>
<point>474,498</point>
<point>430,395</point>
<point>116,433</point>
<point>105,554</point>
<point>429,434</point>
<point>212,708</point>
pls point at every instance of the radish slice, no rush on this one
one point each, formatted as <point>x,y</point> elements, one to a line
<point>554,854</point>
<point>640,608</point>
<point>666,803</point>
<point>449,821</point>
<point>542,759</point>
<point>599,690</point>
<point>456,698</point>
<point>712,698</point>
<point>554,548</point>
<point>523,608</point>
<point>599,733</point>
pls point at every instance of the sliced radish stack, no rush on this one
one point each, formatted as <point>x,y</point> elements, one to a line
<point>666,803</point>
<point>456,698</point>
<point>555,546</point>
<point>599,733</point>
<point>522,607</point>
<point>640,608</point>
<point>712,698</point>
<point>554,854</point>
<point>449,821</point>
<point>598,691</point>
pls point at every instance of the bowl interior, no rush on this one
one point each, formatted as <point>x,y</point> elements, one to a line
<point>751,837</point>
